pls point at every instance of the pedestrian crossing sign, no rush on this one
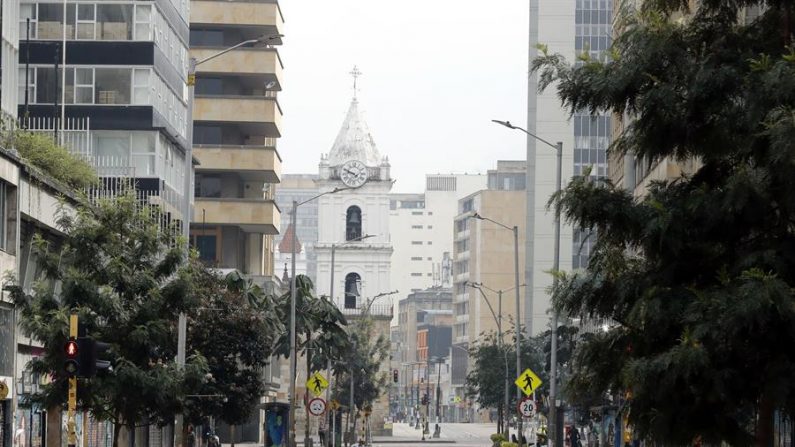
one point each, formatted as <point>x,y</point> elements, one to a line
<point>528,381</point>
<point>316,384</point>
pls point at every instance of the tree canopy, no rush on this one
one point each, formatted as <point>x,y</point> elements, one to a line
<point>126,280</point>
<point>368,352</point>
<point>234,328</point>
<point>697,276</point>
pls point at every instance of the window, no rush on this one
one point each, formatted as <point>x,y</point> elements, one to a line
<point>209,86</point>
<point>86,20</point>
<point>208,243</point>
<point>205,134</point>
<point>353,290</point>
<point>4,221</point>
<point>430,227</point>
<point>141,85</point>
<point>84,85</point>
<point>416,274</point>
<point>416,227</point>
<point>416,258</point>
<point>430,242</point>
<point>416,242</point>
<point>113,85</point>
<point>206,38</point>
<point>208,185</point>
<point>416,213</point>
<point>353,223</point>
<point>115,22</point>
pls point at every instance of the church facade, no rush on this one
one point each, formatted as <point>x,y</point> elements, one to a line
<point>355,221</point>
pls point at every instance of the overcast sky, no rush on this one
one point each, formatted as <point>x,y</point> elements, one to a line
<point>435,72</point>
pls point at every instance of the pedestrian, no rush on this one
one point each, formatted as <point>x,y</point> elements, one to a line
<point>321,431</point>
<point>190,438</point>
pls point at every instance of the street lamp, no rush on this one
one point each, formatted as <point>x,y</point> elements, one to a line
<point>553,373</point>
<point>515,231</point>
<point>293,297</point>
<point>498,319</point>
<point>182,323</point>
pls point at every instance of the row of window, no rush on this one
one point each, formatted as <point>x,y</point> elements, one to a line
<point>137,21</point>
<point>105,85</point>
<point>150,153</point>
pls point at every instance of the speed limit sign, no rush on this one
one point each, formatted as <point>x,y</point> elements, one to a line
<point>527,407</point>
<point>317,406</point>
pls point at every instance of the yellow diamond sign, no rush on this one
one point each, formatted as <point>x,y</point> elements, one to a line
<point>316,384</point>
<point>528,381</point>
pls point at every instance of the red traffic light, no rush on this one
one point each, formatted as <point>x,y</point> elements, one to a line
<point>71,349</point>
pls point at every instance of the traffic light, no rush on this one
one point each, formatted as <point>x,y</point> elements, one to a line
<point>72,352</point>
<point>395,375</point>
<point>425,399</point>
<point>90,351</point>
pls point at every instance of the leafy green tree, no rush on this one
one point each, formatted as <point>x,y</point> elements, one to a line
<point>697,276</point>
<point>124,278</point>
<point>234,327</point>
<point>486,380</point>
<point>364,360</point>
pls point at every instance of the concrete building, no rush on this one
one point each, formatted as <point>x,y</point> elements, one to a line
<point>298,187</point>
<point>120,103</point>
<point>484,253</point>
<point>237,123</point>
<point>568,27</point>
<point>422,232</point>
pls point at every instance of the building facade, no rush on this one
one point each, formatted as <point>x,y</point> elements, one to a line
<point>298,187</point>
<point>422,232</point>
<point>571,28</point>
<point>236,125</point>
<point>484,254</point>
<point>110,78</point>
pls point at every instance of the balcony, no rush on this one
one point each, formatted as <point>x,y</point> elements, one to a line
<point>264,62</point>
<point>252,215</point>
<point>261,115</point>
<point>266,17</point>
<point>252,163</point>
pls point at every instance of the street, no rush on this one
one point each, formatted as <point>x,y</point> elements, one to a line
<point>460,434</point>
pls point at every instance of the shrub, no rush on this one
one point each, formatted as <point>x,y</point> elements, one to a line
<point>40,151</point>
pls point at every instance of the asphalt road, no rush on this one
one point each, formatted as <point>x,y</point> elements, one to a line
<point>451,435</point>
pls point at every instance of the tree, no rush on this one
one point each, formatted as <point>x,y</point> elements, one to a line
<point>364,360</point>
<point>124,277</point>
<point>696,277</point>
<point>234,327</point>
<point>486,380</point>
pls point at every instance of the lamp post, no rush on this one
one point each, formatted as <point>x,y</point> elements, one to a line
<point>553,369</point>
<point>498,319</point>
<point>182,323</point>
<point>515,231</point>
<point>293,295</point>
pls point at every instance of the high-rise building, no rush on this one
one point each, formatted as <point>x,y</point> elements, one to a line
<point>237,121</point>
<point>571,28</point>
<point>484,253</point>
<point>109,80</point>
<point>422,232</point>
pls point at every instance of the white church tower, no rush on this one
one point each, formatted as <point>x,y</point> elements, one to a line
<point>356,220</point>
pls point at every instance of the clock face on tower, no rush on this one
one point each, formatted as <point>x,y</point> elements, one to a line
<point>353,173</point>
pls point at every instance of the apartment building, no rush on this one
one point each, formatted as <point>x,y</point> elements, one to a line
<point>422,232</point>
<point>237,121</point>
<point>484,253</point>
<point>109,80</point>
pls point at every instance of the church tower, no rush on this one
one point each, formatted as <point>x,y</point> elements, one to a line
<point>355,220</point>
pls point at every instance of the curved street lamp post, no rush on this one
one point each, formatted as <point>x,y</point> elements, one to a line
<point>553,369</point>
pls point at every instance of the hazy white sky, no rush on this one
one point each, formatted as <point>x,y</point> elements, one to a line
<point>435,73</point>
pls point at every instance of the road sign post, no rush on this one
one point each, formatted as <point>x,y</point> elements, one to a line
<point>317,383</point>
<point>527,407</point>
<point>528,382</point>
<point>317,406</point>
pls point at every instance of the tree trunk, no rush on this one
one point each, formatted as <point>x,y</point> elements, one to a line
<point>232,435</point>
<point>54,426</point>
<point>764,421</point>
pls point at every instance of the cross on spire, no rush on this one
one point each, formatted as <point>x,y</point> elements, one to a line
<point>355,73</point>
